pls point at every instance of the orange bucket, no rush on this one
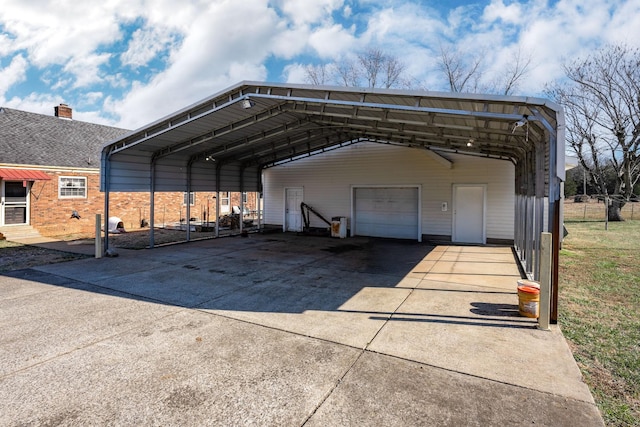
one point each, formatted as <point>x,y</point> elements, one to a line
<point>528,298</point>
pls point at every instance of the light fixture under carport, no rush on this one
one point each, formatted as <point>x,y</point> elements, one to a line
<point>247,103</point>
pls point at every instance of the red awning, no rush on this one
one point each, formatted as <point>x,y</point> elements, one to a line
<point>23,175</point>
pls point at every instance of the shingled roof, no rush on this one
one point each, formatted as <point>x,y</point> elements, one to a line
<point>37,139</point>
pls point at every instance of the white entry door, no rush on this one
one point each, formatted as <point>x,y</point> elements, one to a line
<point>469,214</point>
<point>292,211</point>
<point>14,201</point>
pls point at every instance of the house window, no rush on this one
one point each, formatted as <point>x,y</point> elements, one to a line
<point>72,187</point>
<point>191,196</point>
<point>224,202</point>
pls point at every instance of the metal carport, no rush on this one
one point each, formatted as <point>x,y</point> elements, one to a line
<point>223,143</point>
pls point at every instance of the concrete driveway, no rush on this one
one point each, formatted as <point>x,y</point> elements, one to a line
<point>282,330</point>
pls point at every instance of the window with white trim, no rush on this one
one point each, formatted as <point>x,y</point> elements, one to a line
<point>224,201</point>
<point>191,198</point>
<point>72,187</point>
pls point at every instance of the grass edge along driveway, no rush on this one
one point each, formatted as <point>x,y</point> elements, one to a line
<point>599,312</point>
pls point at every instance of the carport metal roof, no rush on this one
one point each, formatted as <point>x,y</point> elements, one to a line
<point>223,142</point>
<point>253,125</point>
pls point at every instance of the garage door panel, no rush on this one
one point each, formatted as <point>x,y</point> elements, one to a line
<point>387,212</point>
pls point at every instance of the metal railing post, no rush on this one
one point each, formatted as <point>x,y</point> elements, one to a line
<point>546,245</point>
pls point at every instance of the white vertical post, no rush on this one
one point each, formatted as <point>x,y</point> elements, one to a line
<point>217,213</point>
<point>546,240</point>
<point>98,237</point>
<point>241,214</point>
<point>606,212</point>
<point>259,211</point>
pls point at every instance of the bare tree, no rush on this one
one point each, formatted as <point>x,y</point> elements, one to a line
<point>371,62</point>
<point>466,72</point>
<point>513,74</point>
<point>463,71</point>
<point>601,99</point>
<point>348,73</point>
<point>395,73</point>
<point>317,74</point>
<point>370,68</point>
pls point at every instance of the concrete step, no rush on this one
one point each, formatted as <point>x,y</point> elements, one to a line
<point>12,232</point>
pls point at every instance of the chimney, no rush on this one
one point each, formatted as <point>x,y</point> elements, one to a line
<point>63,111</point>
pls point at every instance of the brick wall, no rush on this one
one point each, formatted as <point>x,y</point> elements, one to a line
<point>51,215</point>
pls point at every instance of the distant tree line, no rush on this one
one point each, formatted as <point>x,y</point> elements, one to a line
<point>463,72</point>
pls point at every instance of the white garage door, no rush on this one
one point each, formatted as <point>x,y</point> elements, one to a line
<point>386,212</point>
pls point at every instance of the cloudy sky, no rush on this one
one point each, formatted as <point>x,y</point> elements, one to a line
<point>129,62</point>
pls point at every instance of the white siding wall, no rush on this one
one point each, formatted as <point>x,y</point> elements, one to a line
<point>327,179</point>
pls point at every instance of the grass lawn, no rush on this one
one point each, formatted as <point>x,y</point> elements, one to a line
<point>599,312</point>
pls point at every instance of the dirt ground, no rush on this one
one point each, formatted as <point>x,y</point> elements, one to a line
<point>16,256</point>
<point>140,239</point>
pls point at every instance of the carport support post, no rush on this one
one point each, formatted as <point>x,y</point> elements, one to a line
<point>189,201</point>
<point>546,247</point>
<point>152,205</point>
<point>106,170</point>
<point>259,211</point>
<point>241,214</point>
<point>98,237</point>
<point>218,174</point>
<point>218,213</point>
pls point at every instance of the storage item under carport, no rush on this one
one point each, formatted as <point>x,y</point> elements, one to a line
<point>529,298</point>
<point>116,225</point>
<point>306,211</point>
<point>339,227</point>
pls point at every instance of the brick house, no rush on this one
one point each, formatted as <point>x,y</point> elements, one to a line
<point>50,179</point>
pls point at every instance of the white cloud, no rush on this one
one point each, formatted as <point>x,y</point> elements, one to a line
<point>205,46</point>
<point>332,41</point>
<point>406,23</point>
<point>305,12</point>
<point>624,23</point>
<point>6,45</point>
<point>34,102</point>
<point>217,52</point>
<point>146,43</point>
<point>287,43</point>
<point>14,73</point>
<point>91,98</point>
<point>498,11</point>
<point>86,69</point>
<point>295,73</point>
<point>53,33</point>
